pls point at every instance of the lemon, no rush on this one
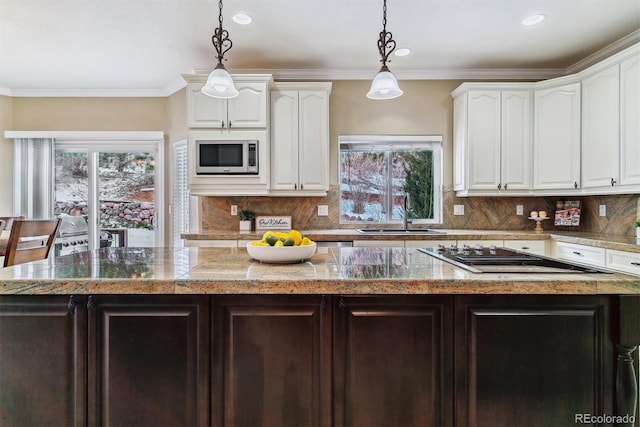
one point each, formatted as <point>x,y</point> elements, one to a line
<point>297,237</point>
<point>306,241</point>
<point>279,243</point>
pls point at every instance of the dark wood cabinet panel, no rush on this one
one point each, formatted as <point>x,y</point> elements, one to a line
<point>532,361</point>
<point>393,361</point>
<point>272,358</point>
<point>42,361</point>
<point>148,361</point>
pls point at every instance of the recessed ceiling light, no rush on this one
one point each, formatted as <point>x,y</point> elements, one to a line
<point>242,18</point>
<point>533,19</point>
<point>403,51</point>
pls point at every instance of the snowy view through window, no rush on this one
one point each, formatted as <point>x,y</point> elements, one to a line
<point>376,175</point>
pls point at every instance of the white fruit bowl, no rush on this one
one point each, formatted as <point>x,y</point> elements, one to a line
<point>281,254</point>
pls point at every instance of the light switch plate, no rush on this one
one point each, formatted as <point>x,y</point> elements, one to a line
<point>323,210</point>
<point>603,210</point>
<point>234,210</point>
<point>519,210</point>
<point>458,209</point>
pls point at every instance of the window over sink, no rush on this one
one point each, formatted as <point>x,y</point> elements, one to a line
<point>379,172</point>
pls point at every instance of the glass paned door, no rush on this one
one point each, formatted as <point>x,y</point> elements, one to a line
<point>115,191</point>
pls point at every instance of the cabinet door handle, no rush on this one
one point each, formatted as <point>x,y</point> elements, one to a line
<point>223,124</point>
<point>524,248</point>
<point>295,186</point>
<point>505,186</point>
<point>575,184</point>
<point>229,123</point>
<point>301,186</point>
<point>636,264</point>
<point>499,186</point>
<point>577,253</point>
<point>613,181</point>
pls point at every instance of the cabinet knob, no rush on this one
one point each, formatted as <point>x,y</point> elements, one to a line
<point>613,181</point>
<point>499,186</point>
<point>505,186</point>
<point>575,184</point>
<point>229,123</point>
<point>223,123</point>
<point>295,186</point>
<point>301,186</point>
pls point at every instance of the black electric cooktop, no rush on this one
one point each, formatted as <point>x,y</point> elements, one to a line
<point>492,259</point>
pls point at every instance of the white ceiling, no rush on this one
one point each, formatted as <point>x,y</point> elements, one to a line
<point>143,46</point>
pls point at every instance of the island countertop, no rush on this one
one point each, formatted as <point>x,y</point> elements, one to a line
<point>344,271</point>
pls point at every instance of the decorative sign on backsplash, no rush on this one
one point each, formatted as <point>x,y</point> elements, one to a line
<point>273,223</point>
<point>567,213</point>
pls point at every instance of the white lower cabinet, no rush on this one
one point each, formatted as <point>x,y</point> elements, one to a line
<point>627,262</point>
<point>590,255</point>
<point>537,247</point>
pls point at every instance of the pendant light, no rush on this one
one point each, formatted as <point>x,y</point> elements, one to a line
<point>384,84</point>
<point>219,83</point>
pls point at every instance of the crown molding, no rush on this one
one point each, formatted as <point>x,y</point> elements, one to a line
<point>534,74</point>
<point>605,52</point>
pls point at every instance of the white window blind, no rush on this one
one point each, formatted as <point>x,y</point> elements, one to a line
<point>181,196</point>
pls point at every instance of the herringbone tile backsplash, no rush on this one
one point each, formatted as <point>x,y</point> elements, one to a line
<point>481,213</point>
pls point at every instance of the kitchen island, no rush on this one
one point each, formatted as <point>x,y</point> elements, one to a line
<point>353,336</point>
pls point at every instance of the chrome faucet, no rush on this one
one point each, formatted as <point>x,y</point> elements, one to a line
<point>407,206</point>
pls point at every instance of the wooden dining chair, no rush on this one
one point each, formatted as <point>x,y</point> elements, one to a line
<point>30,240</point>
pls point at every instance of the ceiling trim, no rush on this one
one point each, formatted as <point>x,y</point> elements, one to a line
<point>615,47</point>
<point>324,74</point>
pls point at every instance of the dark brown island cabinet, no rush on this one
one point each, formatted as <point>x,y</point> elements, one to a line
<point>313,360</point>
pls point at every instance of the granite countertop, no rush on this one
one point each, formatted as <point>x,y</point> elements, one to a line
<point>608,241</point>
<point>350,270</point>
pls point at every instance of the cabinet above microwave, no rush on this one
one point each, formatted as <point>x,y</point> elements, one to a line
<point>249,110</point>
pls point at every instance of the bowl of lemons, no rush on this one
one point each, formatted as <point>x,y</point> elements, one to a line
<point>281,247</point>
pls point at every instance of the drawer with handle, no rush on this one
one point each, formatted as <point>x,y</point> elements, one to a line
<point>627,262</point>
<point>580,253</point>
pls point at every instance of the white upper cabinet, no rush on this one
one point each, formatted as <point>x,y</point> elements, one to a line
<point>300,139</point>
<point>516,138</point>
<point>611,124</point>
<point>601,128</point>
<point>247,110</point>
<point>492,139</point>
<point>577,135</point>
<point>630,121</point>
<point>556,151</point>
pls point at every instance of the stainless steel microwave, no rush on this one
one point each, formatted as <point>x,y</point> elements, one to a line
<point>229,157</point>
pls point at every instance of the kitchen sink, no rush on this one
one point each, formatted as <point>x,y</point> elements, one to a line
<point>398,231</point>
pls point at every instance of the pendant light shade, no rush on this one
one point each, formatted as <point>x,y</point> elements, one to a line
<point>384,84</point>
<point>220,84</point>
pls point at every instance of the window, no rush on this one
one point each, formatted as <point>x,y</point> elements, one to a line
<point>378,172</point>
<point>182,202</point>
